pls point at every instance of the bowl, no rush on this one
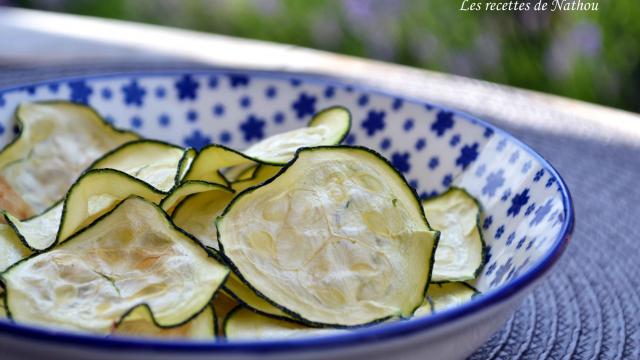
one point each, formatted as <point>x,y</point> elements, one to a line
<point>527,221</point>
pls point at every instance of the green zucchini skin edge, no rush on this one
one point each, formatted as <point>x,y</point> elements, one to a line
<point>249,307</point>
<point>214,186</point>
<point>169,223</point>
<point>293,314</point>
<point>155,322</point>
<point>64,208</point>
<point>242,306</point>
<point>184,201</point>
<point>349,121</point>
<point>476,292</point>
<point>213,146</point>
<point>178,179</point>
<point>226,318</point>
<point>478,226</point>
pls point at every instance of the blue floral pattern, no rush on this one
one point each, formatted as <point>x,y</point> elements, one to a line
<point>374,122</point>
<point>133,93</point>
<point>187,88</point>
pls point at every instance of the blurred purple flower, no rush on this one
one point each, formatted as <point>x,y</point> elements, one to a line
<point>487,50</point>
<point>462,63</point>
<point>583,40</point>
<point>326,32</point>
<point>359,11</point>
<point>376,23</point>
<point>268,7</point>
<point>424,45</point>
<point>587,38</point>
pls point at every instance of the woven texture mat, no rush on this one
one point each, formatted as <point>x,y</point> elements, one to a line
<point>589,306</point>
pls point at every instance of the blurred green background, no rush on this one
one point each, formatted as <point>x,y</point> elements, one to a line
<point>593,56</point>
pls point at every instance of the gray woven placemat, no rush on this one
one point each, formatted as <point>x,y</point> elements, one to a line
<point>589,306</point>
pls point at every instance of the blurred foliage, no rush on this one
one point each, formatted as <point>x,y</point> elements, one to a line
<point>589,55</point>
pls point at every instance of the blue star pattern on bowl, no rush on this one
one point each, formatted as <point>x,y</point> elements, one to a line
<point>434,148</point>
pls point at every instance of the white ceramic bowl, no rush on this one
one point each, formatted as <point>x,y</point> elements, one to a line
<point>528,215</point>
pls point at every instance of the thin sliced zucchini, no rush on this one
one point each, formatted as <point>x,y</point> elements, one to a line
<point>241,172</point>
<point>197,213</point>
<point>130,256</point>
<point>57,141</point>
<point>95,193</point>
<point>186,189</point>
<point>185,163</point>
<point>262,174</point>
<point>139,322</point>
<point>460,252</point>
<point>211,160</point>
<point>244,324</point>
<point>328,127</point>
<point>39,232</point>
<point>154,162</point>
<point>222,305</point>
<point>336,239</point>
<point>243,294</point>
<point>444,296</point>
<point>11,249</point>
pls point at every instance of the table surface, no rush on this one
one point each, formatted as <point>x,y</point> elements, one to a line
<point>587,308</point>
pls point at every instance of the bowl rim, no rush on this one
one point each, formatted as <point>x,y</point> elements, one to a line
<point>359,337</point>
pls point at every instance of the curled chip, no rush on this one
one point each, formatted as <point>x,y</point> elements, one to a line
<point>328,127</point>
<point>444,296</point>
<point>336,239</point>
<point>157,163</point>
<point>196,214</point>
<point>12,249</point>
<point>133,255</point>
<point>460,253</point>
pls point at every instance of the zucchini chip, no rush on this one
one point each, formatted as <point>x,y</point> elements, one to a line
<point>211,160</point>
<point>186,189</point>
<point>328,127</point>
<point>460,252</point>
<point>197,213</point>
<point>241,172</point>
<point>262,174</point>
<point>57,141</point>
<point>184,165</point>
<point>95,193</point>
<point>130,256</point>
<point>444,296</point>
<point>244,324</point>
<point>11,249</point>
<point>222,305</point>
<point>338,238</point>
<point>154,162</point>
<point>39,232</point>
<point>139,322</point>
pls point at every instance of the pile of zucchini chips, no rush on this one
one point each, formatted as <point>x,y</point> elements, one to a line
<point>108,233</point>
